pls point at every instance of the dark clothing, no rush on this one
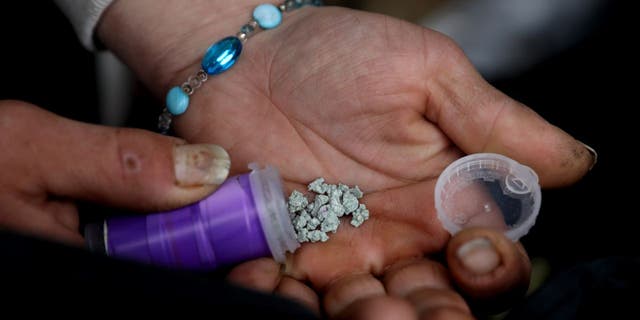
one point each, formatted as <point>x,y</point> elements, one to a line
<point>36,273</point>
<point>40,272</point>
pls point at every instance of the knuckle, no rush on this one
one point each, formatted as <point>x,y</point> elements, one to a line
<point>13,113</point>
<point>129,158</point>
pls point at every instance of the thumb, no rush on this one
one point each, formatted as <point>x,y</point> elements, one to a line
<point>492,271</point>
<point>479,118</point>
<point>128,168</point>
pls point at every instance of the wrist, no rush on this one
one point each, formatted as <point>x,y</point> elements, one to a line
<point>162,41</point>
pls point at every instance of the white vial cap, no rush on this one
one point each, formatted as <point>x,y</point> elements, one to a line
<point>488,190</point>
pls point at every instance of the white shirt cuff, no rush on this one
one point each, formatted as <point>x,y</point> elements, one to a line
<point>84,16</point>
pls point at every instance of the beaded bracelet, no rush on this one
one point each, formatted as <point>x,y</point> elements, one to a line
<point>222,55</point>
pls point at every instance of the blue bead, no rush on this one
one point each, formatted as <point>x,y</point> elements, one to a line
<point>267,15</point>
<point>221,55</point>
<point>177,101</point>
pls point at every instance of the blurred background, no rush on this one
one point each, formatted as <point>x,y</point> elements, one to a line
<point>570,60</point>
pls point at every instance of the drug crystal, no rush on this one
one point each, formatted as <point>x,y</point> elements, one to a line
<point>313,220</point>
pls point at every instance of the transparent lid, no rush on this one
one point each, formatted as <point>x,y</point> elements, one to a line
<point>488,190</point>
<point>269,196</point>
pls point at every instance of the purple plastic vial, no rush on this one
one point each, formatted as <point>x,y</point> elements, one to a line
<point>246,218</point>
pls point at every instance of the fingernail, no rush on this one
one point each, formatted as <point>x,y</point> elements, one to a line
<point>200,164</point>
<point>479,256</point>
<point>594,154</point>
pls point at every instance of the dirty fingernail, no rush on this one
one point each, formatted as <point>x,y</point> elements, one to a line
<point>479,256</point>
<point>594,154</point>
<point>200,164</point>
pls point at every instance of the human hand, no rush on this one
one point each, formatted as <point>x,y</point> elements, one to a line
<point>481,267</point>
<point>353,97</point>
<point>49,162</point>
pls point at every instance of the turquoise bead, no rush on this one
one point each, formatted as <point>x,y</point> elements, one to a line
<point>177,101</point>
<point>267,15</point>
<point>221,55</point>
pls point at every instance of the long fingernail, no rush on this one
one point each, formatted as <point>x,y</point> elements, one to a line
<point>200,164</point>
<point>479,256</point>
<point>594,154</point>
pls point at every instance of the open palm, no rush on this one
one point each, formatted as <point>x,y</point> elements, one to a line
<point>349,109</point>
<point>370,101</point>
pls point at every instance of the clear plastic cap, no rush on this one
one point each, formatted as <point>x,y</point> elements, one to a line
<point>269,197</point>
<point>488,190</point>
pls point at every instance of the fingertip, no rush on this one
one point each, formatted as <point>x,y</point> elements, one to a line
<point>200,164</point>
<point>565,162</point>
<point>199,170</point>
<point>593,153</point>
<point>491,270</point>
